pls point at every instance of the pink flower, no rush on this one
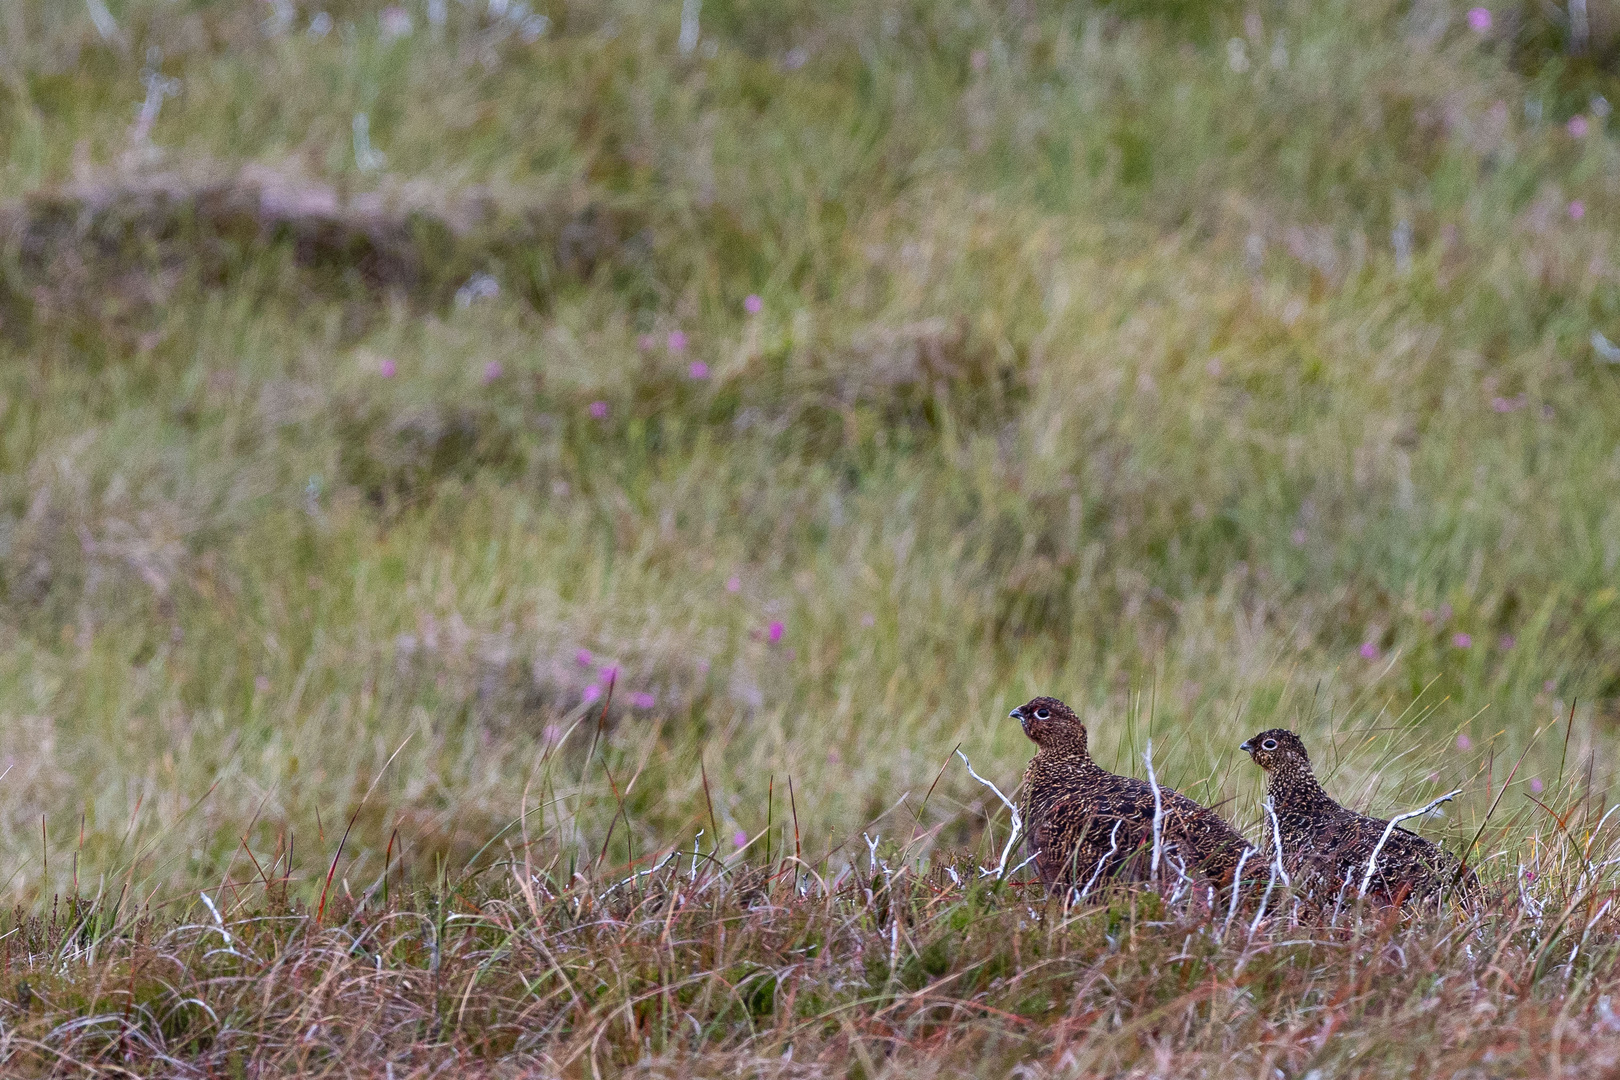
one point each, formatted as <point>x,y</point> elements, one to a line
<point>1506,642</point>
<point>739,838</point>
<point>733,583</point>
<point>1464,742</point>
<point>774,633</point>
<point>599,410</point>
<point>1577,210</point>
<point>676,342</point>
<point>1530,875</point>
<point>493,371</point>
<point>703,667</point>
<point>387,368</point>
<point>753,304</point>
<point>1536,785</point>
<point>262,684</point>
<point>643,700</point>
<point>697,370</point>
<point>1300,536</point>
<point>609,673</point>
<point>1576,126</point>
<point>1507,405</point>
<point>1462,641</point>
<point>1428,617</point>
<point>869,619</point>
<point>1549,686</point>
<point>1369,651</point>
<point>1479,19</point>
<point>584,658</point>
<point>592,692</point>
<point>645,342</point>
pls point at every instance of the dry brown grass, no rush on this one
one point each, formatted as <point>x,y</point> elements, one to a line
<point>882,964</point>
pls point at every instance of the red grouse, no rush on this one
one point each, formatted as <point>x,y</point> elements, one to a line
<point>1326,848</point>
<point>1084,824</point>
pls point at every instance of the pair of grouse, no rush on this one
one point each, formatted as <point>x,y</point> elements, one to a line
<point>1085,825</point>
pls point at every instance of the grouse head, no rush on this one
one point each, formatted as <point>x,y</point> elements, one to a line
<point>1052,725</point>
<point>1278,750</point>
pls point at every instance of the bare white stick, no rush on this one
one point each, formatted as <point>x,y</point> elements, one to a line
<point>1017,819</point>
<point>1113,846</point>
<point>1237,885</point>
<point>1277,844</point>
<point>1372,860</point>
<point>1158,814</point>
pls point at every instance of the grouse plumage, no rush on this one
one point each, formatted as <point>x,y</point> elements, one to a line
<point>1084,824</point>
<point>1326,847</point>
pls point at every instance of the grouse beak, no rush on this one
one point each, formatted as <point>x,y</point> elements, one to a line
<point>1247,747</point>
<point>1017,714</point>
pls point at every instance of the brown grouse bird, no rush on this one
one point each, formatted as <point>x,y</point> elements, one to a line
<point>1084,824</point>
<point>1326,847</point>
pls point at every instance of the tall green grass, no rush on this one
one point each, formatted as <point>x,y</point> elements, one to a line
<point>1088,362</point>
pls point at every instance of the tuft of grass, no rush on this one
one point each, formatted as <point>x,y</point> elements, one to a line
<point>783,968</point>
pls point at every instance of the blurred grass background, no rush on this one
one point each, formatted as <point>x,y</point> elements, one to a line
<point>832,376</point>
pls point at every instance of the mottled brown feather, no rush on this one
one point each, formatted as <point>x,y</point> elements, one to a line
<point>1085,824</point>
<point>1326,846</point>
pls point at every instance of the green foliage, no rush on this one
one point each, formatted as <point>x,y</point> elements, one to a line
<point>1211,366</point>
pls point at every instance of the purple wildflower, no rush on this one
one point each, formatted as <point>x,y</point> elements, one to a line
<point>1536,785</point>
<point>697,370</point>
<point>774,634</point>
<point>643,700</point>
<point>869,619</point>
<point>1506,642</point>
<point>599,410</point>
<point>1577,210</point>
<point>1479,19</point>
<point>262,684</point>
<point>676,342</point>
<point>609,673</point>
<point>1300,536</point>
<point>1369,651</point>
<point>733,583</point>
<point>1549,686</point>
<point>1464,742</point>
<point>1576,127</point>
<point>387,368</point>
<point>1462,641</point>
<point>739,838</point>
<point>592,692</point>
<point>753,304</point>
<point>584,658</point>
<point>645,342</point>
<point>493,371</point>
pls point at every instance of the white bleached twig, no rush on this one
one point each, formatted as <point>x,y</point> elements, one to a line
<point>1113,846</point>
<point>1017,819</point>
<point>1277,844</point>
<point>1237,885</point>
<point>1158,814</point>
<point>1372,860</point>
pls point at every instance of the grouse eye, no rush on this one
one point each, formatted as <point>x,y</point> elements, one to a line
<point>1269,744</point>
<point>1042,714</point>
